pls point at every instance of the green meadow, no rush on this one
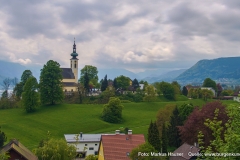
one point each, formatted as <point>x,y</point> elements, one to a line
<point>62,119</point>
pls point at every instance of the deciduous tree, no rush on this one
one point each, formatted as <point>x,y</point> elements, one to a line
<point>150,94</point>
<point>143,148</point>
<point>25,75</point>
<point>56,149</point>
<point>195,123</point>
<point>30,95</point>
<point>207,94</point>
<point>112,112</point>
<point>123,82</point>
<point>208,82</point>
<point>51,90</point>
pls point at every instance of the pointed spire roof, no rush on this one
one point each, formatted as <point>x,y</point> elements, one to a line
<point>74,54</point>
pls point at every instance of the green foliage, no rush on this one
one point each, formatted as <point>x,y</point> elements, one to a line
<point>163,116</point>
<point>112,112</point>
<point>4,156</point>
<point>91,157</point>
<point>123,82</point>
<point>185,110</point>
<point>227,92</point>
<point>92,73</point>
<point>172,130</point>
<point>143,148</point>
<point>150,94</point>
<point>86,82</point>
<point>208,82</point>
<point>18,89</point>
<point>164,139</point>
<point>3,138</point>
<point>167,90</point>
<point>4,95</point>
<point>56,149</point>
<point>153,136</point>
<point>195,93</point>
<point>177,87</point>
<point>51,90</point>
<point>135,84</point>
<point>206,94</point>
<point>184,91</point>
<point>30,96</point>
<point>25,75</point>
<point>104,84</point>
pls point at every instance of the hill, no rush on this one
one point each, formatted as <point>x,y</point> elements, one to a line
<point>221,70</point>
<point>167,77</point>
<point>62,119</point>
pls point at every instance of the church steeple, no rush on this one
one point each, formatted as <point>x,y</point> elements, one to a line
<point>74,54</point>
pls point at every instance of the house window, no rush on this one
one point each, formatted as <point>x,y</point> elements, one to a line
<point>65,90</point>
<point>95,144</point>
<point>96,152</point>
<point>85,144</point>
<point>128,153</point>
<point>72,90</point>
<point>75,64</point>
<point>91,148</point>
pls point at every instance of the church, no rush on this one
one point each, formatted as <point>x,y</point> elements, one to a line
<point>70,75</point>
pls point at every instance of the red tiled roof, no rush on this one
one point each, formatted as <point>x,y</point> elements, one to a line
<point>116,147</point>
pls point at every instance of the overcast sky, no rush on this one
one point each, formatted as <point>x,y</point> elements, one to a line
<point>135,35</point>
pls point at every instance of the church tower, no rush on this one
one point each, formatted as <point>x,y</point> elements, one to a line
<point>74,62</point>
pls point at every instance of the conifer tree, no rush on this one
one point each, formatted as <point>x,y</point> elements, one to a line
<point>164,139</point>
<point>172,130</point>
<point>104,84</point>
<point>153,136</point>
<point>185,91</point>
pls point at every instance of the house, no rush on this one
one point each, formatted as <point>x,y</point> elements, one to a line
<point>141,86</point>
<point>236,96</point>
<point>185,152</point>
<point>119,146</point>
<point>70,75</point>
<point>18,151</point>
<point>211,89</point>
<point>86,144</point>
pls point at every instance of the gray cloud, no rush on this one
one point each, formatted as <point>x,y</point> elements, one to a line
<point>124,34</point>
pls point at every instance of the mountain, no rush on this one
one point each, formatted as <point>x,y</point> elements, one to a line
<point>220,69</point>
<point>10,70</point>
<point>167,77</point>
<point>112,73</point>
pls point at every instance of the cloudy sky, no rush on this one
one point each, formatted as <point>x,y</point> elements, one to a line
<point>135,35</point>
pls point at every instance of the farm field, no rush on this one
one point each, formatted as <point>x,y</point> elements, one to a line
<point>62,119</point>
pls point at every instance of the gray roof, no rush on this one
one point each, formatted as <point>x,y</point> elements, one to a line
<point>85,138</point>
<point>67,73</point>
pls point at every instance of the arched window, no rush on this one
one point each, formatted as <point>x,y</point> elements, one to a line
<point>75,65</point>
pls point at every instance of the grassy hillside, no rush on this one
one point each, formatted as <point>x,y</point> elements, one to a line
<point>72,119</point>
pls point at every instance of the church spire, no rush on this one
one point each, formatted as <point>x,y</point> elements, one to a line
<point>74,46</point>
<point>74,54</point>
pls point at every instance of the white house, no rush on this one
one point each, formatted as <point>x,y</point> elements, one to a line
<point>86,144</point>
<point>211,89</point>
<point>236,96</point>
<point>141,86</point>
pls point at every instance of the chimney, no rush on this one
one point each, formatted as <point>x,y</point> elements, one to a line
<point>80,135</point>
<point>129,131</point>
<point>117,132</point>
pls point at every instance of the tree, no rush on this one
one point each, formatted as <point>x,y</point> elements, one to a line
<point>104,84</point>
<point>177,87</point>
<point>167,90</point>
<point>3,138</point>
<point>219,89</point>
<point>135,84</point>
<point>30,95</point>
<point>112,112</point>
<point>4,95</point>
<point>86,82</point>
<point>143,148</point>
<point>172,130</point>
<point>184,91</point>
<point>25,75</point>
<point>195,123</point>
<point>208,82</point>
<point>164,139</point>
<point>92,73</point>
<point>51,90</point>
<point>115,84</point>
<point>18,89</point>
<point>207,94</point>
<point>123,82</point>
<point>153,136</point>
<point>150,93</point>
<point>184,111</point>
<point>55,149</point>
<point>163,116</point>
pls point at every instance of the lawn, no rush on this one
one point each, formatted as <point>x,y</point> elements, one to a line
<point>61,119</point>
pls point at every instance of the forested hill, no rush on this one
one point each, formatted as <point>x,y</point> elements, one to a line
<point>217,69</point>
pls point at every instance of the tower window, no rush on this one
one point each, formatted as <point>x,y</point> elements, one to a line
<point>75,65</point>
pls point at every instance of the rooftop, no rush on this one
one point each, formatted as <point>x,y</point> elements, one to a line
<point>70,138</point>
